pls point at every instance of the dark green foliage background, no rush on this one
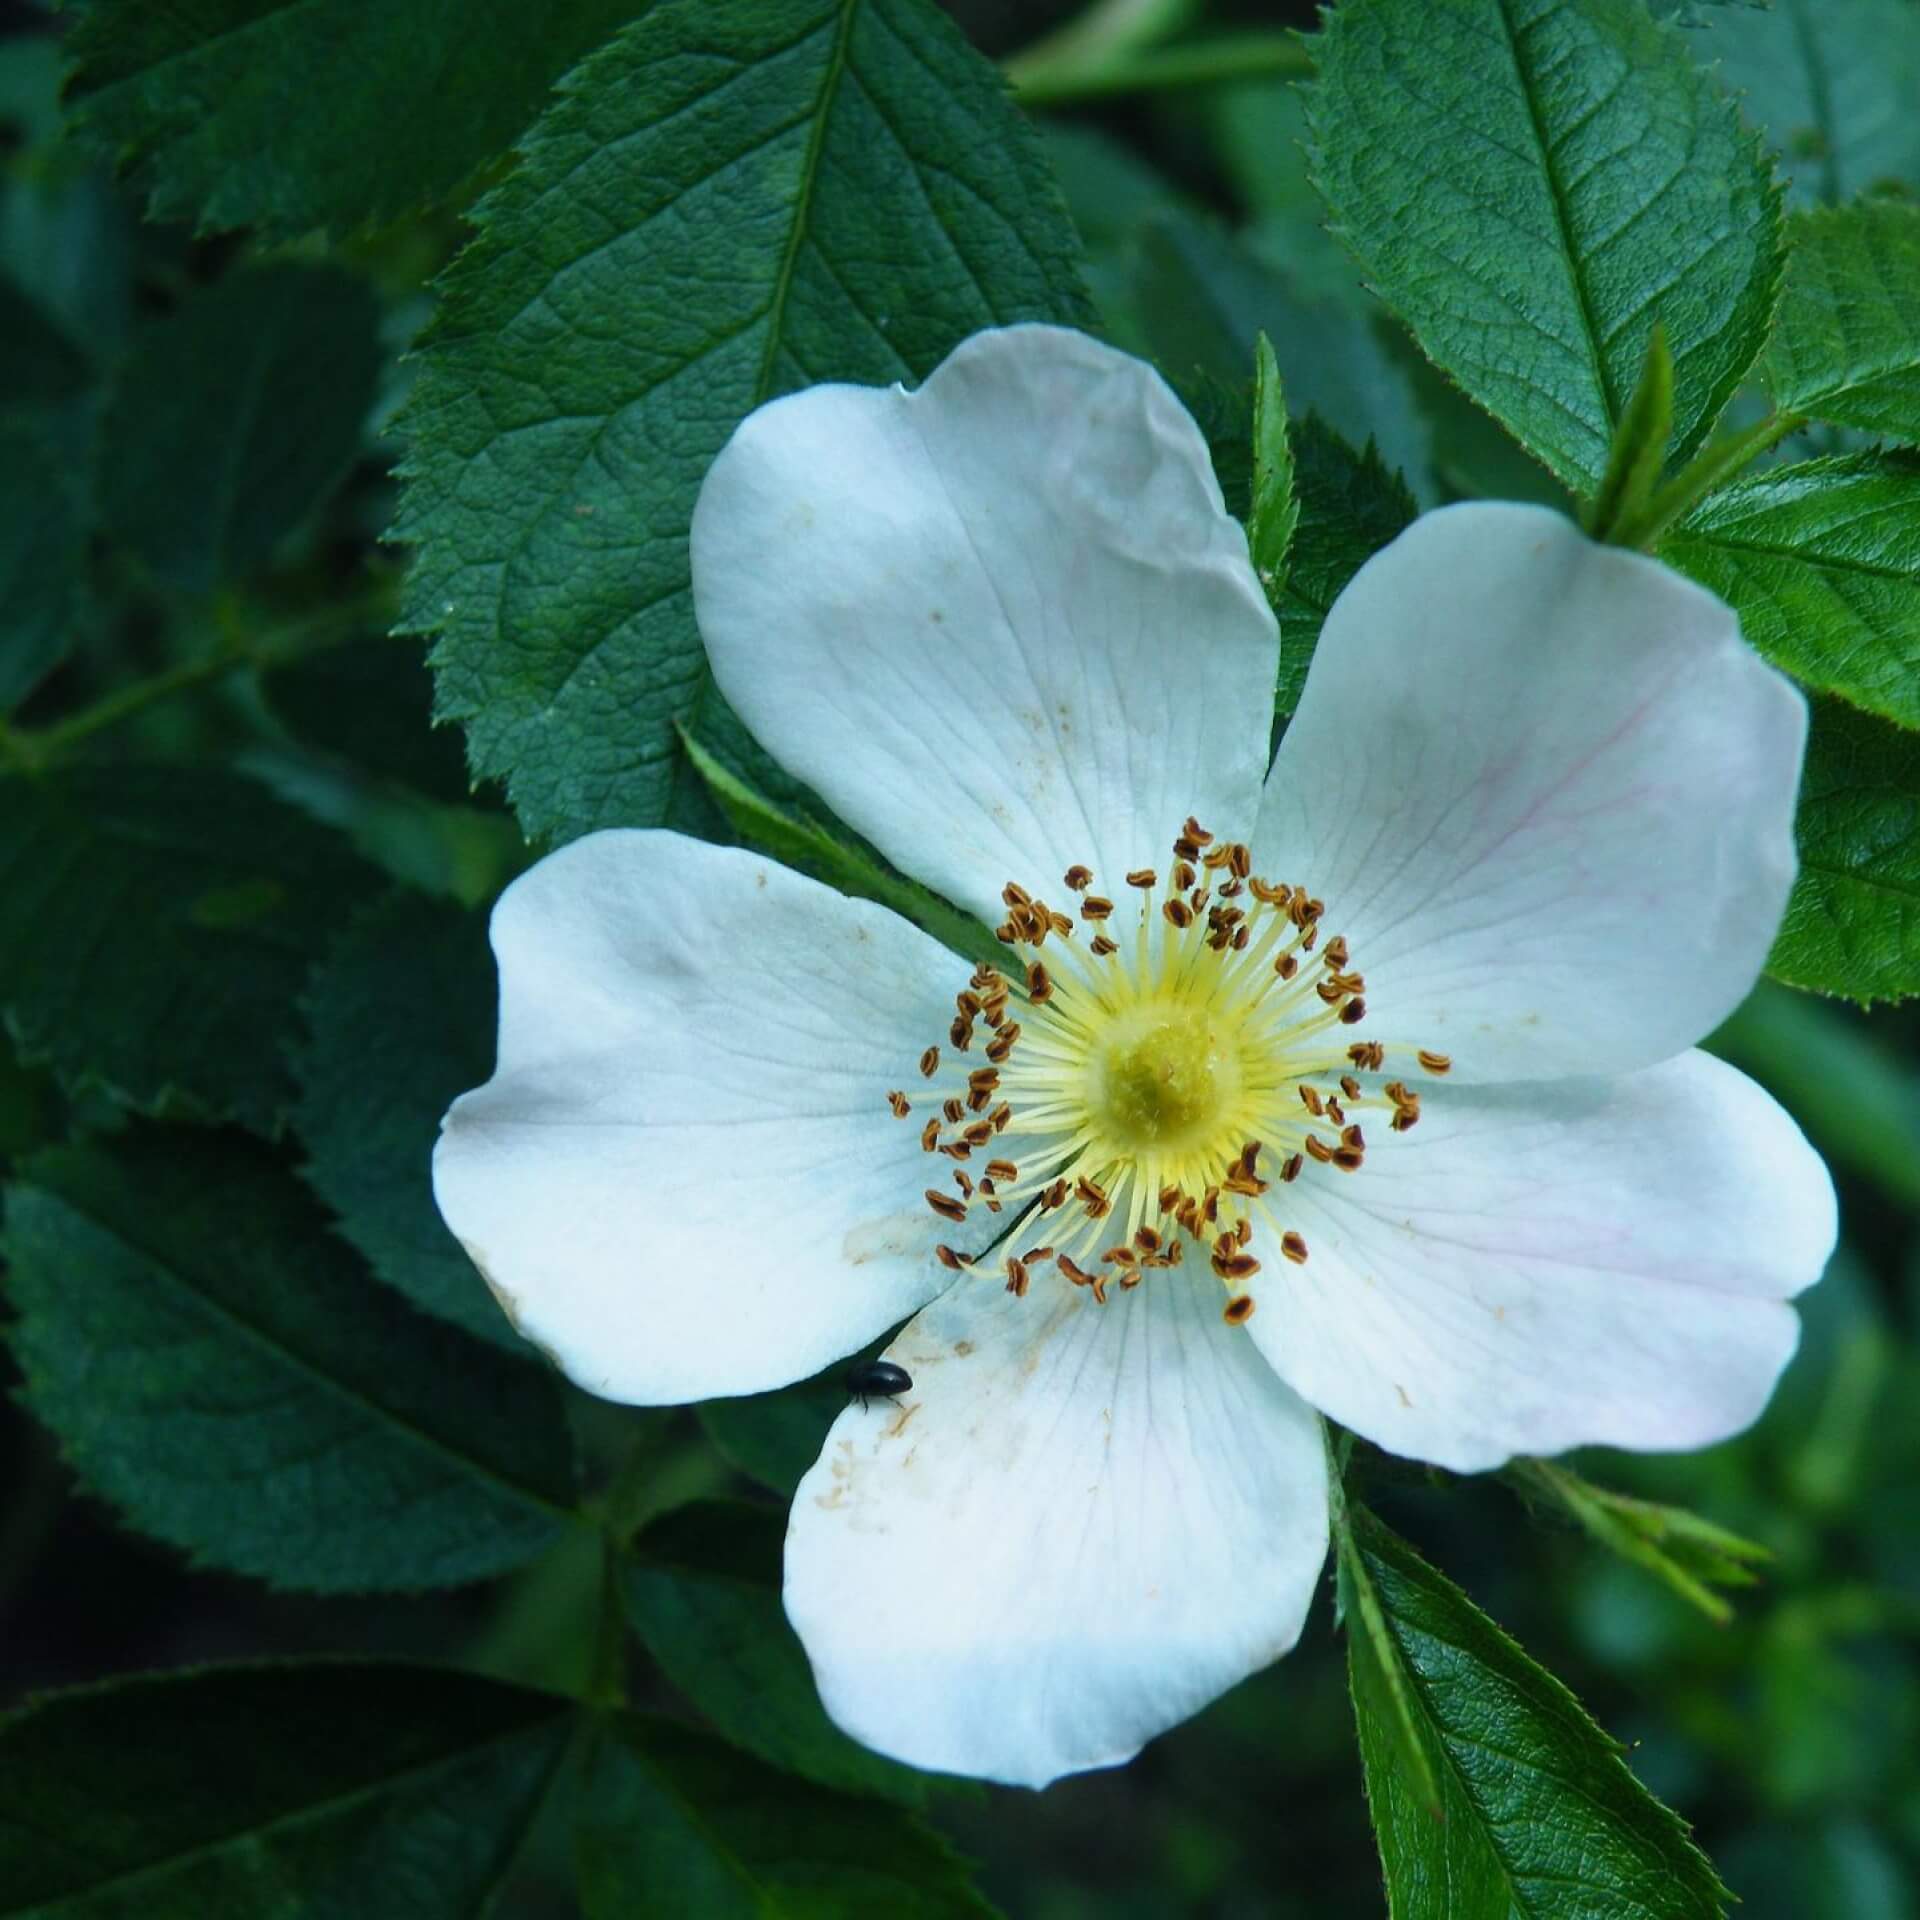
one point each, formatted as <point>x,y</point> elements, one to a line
<point>318,1557</point>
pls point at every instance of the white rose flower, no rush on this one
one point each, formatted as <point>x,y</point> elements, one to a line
<point>1360,1082</point>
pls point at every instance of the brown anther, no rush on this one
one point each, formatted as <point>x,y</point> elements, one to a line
<point>1095,907</point>
<point>1002,1169</point>
<point>1144,878</point>
<point>1062,923</point>
<point>1310,1099</point>
<point>1239,1310</point>
<point>1242,936</point>
<point>1000,1116</point>
<point>1039,983</point>
<point>1233,890</point>
<point>1348,1159</point>
<point>1368,1055</point>
<point>1016,1276</point>
<point>1130,1278</point>
<point>949,1258</point>
<point>1175,1253</point>
<point>1002,1042</point>
<point>1350,1086</point>
<point>1146,1239</point>
<point>960,1034</point>
<point>1216,857</point>
<point>1331,991</point>
<point>968,1002</point>
<point>1077,879</point>
<point>1240,860</point>
<point>1291,1165</point>
<point>1317,1149</point>
<point>1196,832</point>
<point>900,1104</point>
<point>1101,945</point>
<point>1349,982</point>
<point>1092,1197</point>
<point>1266,891</point>
<point>953,1111</point>
<point>1235,1265</point>
<point>1015,895</point>
<point>978,1134</point>
<point>1185,849</point>
<point>1352,1137</point>
<point>965,1185</point>
<point>1178,913</point>
<point>1434,1062</point>
<point>1170,1197</point>
<point>946,1205</point>
<point>1286,966</point>
<point>957,1150</point>
<point>1078,1275</point>
<point>1308,937</point>
<point>1210,1205</point>
<point>1336,955</point>
<point>930,1136</point>
<point>1034,1255</point>
<point>1183,876</point>
<point>1295,1248</point>
<point>1007,933</point>
<point>1336,1113</point>
<point>1055,1196</point>
<point>1198,898</point>
<point>994,1013</point>
<point>1121,1256</point>
<point>1353,1013</point>
<point>979,1100</point>
<point>1405,1118</point>
<point>930,1063</point>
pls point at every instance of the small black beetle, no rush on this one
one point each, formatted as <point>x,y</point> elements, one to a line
<point>879,1378</point>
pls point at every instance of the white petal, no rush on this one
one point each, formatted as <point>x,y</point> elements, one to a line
<point>1546,792</point>
<point>1534,1268</point>
<point>683,1178</point>
<point>1079,1526</point>
<point>1003,624</point>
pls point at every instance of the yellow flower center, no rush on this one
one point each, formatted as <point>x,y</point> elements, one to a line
<point>1160,1077</point>
<point>1150,1080</point>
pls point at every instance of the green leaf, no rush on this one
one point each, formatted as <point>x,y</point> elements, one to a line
<point>1846,346</point>
<point>1821,560</point>
<point>327,1788</point>
<point>1541,1817</point>
<point>1639,446</point>
<point>233,419</point>
<point>703,1594</point>
<point>675,1822</point>
<point>1684,1552</point>
<point>211,102</point>
<point>400,1019</point>
<point>222,1370</point>
<point>1274,512</point>
<point>1853,923</point>
<point>775,1437</point>
<point>1200,299</point>
<point>1831,86</point>
<point>1530,185</point>
<point>726,203</point>
<point>160,924</point>
<point>813,850</point>
<point>39,366</point>
<point>1350,506</point>
<point>43,549</point>
<point>370,702</point>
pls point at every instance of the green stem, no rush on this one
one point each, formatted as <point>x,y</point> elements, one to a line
<point>1107,30</point>
<point>278,647</point>
<point>1225,58</point>
<point>1711,468</point>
